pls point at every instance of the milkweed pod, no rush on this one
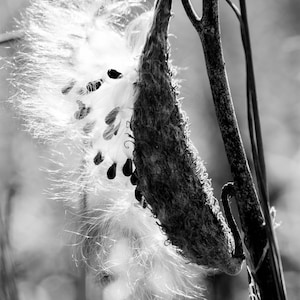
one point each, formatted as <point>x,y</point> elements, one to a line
<point>172,177</point>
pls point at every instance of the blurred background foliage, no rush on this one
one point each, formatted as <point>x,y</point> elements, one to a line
<point>39,244</point>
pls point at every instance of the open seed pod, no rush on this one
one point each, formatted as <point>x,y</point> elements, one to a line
<point>171,177</point>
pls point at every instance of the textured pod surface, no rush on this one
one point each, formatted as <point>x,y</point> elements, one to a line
<point>172,178</point>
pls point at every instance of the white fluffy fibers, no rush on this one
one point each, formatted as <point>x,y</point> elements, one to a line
<point>75,77</point>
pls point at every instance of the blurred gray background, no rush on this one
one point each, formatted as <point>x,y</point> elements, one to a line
<point>38,240</point>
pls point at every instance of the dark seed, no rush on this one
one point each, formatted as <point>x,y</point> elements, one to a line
<point>111,172</point>
<point>109,132</point>
<point>117,129</point>
<point>77,115</point>
<point>94,85</point>
<point>138,195</point>
<point>134,179</point>
<point>127,168</point>
<point>111,117</point>
<point>144,202</point>
<point>98,159</point>
<point>82,113</point>
<point>114,74</point>
<point>66,90</point>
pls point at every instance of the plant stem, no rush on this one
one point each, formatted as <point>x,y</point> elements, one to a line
<point>8,286</point>
<point>11,36</point>
<point>258,155</point>
<point>81,287</point>
<point>252,222</point>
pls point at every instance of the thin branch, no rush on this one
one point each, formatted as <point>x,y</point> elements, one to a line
<point>11,36</point>
<point>252,87</point>
<point>81,287</point>
<point>259,152</point>
<point>257,147</point>
<point>8,286</point>
<point>235,9</point>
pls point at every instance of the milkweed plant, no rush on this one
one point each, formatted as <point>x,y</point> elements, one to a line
<point>95,77</point>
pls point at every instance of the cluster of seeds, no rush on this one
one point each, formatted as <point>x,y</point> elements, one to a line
<point>111,130</point>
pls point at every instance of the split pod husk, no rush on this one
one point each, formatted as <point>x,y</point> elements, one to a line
<point>172,177</point>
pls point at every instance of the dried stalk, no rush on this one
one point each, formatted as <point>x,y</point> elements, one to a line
<point>258,153</point>
<point>8,286</point>
<point>252,221</point>
<point>82,272</point>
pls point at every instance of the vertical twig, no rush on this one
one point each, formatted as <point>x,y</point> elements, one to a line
<point>258,154</point>
<point>252,222</point>
<point>8,287</point>
<point>81,287</point>
<point>11,36</point>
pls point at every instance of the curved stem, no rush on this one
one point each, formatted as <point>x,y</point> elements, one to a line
<point>194,18</point>
<point>228,191</point>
